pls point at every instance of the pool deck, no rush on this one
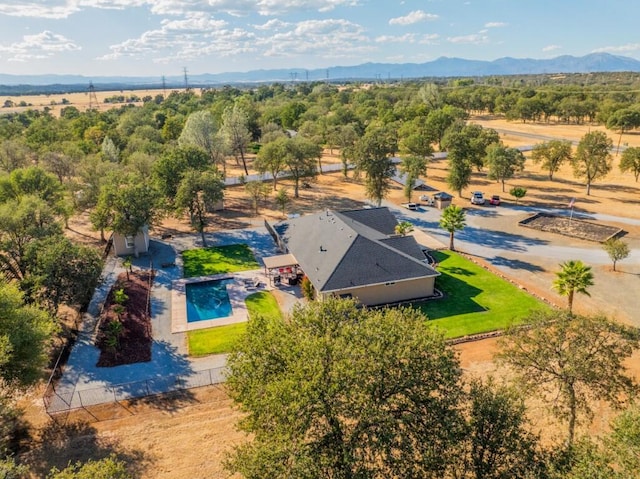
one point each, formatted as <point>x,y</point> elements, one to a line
<point>238,290</point>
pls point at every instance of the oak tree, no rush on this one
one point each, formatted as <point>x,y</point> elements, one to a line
<point>341,391</point>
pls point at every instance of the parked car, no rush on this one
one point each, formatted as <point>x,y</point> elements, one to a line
<point>495,200</point>
<point>428,200</point>
<point>411,206</point>
<point>477,198</point>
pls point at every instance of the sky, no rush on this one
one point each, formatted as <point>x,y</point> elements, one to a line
<point>165,37</point>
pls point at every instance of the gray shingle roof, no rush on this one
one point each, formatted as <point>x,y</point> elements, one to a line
<point>339,250</point>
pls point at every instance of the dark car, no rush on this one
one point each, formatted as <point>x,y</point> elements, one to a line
<point>495,200</point>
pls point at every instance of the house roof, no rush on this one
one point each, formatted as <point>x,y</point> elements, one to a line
<point>400,177</point>
<point>347,249</point>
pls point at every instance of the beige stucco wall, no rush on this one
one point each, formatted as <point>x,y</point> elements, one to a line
<point>392,293</point>
<point>141,243</point>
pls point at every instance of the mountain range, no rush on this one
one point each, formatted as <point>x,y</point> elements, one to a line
<point>442,67</point>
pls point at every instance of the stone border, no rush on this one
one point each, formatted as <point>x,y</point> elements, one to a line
<point>237,290</point>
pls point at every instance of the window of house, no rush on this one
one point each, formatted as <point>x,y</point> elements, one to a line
<point>129,241</point>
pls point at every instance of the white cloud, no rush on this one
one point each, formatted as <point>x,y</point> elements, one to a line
<point>58,9</point>
<point>413,17</point>
<point>406,38</point>
<point>41,45</point>
<point>201,36</point>
<point>550,48</point>
<point>429,39</point>
<point>332,38</point>
<point>274,25</point>
<point>242,8</point>
<point>475,38</point>
<point>195,36</point>
<point>495,24</point>
<point>629,47</point>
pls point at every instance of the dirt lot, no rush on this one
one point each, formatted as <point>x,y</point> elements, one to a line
<point>187,436</point>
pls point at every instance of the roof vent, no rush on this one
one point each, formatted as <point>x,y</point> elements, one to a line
<point>322,249</point>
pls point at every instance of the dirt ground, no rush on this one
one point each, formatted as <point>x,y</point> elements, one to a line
<point>187,436</point>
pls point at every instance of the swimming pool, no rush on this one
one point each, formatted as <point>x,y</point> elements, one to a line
<point>208,300</point>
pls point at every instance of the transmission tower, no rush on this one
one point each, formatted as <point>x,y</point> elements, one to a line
<point>186,79</point>
<point>93,99</point>
<point>164,86</point>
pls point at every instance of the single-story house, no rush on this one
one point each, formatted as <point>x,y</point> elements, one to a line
<point>131,245</point>
<point>358,254</point>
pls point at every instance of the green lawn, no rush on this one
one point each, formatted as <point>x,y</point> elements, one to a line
<point>221,339</point>
<point>218,259</point>
<point>476,301</point>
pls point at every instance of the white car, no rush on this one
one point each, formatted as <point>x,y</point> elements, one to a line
<point>428,200</point>
<point>477,198</point>
<point>410,206</point>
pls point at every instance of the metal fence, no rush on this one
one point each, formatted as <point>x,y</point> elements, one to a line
<point>62,400</point>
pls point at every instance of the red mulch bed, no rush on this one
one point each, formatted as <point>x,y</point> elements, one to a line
<point>134,342</point>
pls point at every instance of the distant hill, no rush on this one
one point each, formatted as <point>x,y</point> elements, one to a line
<point>442,67</point>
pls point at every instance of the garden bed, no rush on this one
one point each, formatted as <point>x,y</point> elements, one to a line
<point>567,226</point>
<point>132,344</point>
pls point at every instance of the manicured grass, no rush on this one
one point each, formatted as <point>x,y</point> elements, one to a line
<point>218,259</point>
<point>203,342</point>
<point>476,301</point>
<point>221,339</point>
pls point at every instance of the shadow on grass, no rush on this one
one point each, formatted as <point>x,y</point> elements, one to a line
<point>458,295</point>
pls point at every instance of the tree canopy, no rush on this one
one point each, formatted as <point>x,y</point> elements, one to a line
<point>400,417</point>
<point>25,332</point>
<point>593,158</point>
<point>571,360</point>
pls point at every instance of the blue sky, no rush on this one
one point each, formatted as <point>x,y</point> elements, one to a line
<point>162,37</point>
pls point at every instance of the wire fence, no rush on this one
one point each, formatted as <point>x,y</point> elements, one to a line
<point>59,401</point>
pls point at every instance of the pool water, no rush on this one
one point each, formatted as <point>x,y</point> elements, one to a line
<point>208,300</point>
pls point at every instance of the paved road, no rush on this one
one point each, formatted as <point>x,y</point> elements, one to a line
<point>331,168</point>
<point>535,136</point>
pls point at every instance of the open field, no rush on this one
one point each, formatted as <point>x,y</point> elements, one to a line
<point>178,437</point>
<point>81,100</point>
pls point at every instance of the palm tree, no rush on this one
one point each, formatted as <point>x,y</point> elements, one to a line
<point>574,277</point>
<point>452,220</point>
<point>403,228</point>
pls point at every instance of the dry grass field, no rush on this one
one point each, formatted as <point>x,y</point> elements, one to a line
<point>81,100</point>
<point>187,436</point>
